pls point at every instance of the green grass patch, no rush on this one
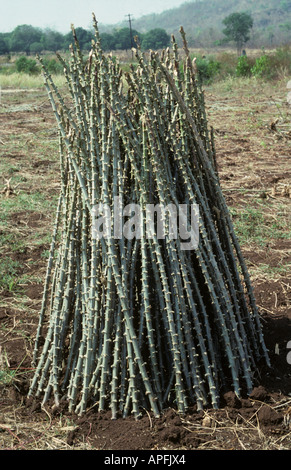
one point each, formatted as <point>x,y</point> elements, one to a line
<point>8,274</point>
<point>23,201</point>
<point>255,225</point>
<point>16,238</point>
<point>282,270</point>
<point>25,80</point>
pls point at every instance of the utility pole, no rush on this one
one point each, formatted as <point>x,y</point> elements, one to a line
<point>130,29</point>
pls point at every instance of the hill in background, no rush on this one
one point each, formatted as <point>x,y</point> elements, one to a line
<point>202,21</point>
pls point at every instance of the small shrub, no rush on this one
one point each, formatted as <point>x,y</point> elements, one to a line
<point>243,67</point>
<point>53,66</point>
<point>208,68</point>
<point>29,66</point>
<point>262,67</point>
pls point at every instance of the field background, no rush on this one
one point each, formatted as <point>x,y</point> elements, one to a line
<point>251,121</point>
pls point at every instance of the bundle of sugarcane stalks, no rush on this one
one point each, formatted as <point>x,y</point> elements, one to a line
<point>133,322</point>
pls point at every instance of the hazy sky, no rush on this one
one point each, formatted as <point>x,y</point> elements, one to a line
<point>59,14</point>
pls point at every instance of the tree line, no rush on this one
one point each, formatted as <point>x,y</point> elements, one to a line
<point>31,40</point>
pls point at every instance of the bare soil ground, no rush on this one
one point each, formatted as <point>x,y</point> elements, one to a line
<point>253,140</point>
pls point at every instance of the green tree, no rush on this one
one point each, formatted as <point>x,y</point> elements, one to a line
<point>52,40</point>
<point>285,26</point>
<point>124,39</point>
<point>285,5</point>
<point>23,36</point>
<point>237,29</point>
<point>155,39</point>
<point>36,47</point>
<point>84,37</point>
<point>107,41</point>
<point>4,49</point>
